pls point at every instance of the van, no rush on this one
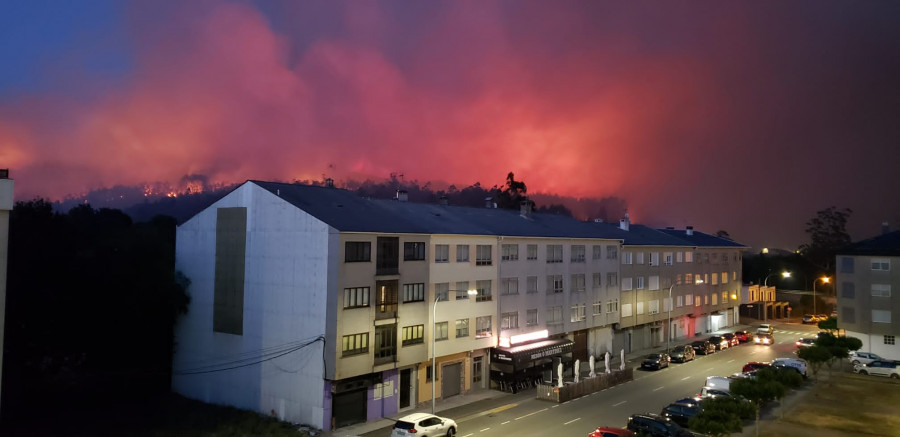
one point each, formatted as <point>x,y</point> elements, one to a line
<point>718,383</point>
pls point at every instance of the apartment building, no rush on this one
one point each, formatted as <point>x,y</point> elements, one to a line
<point>867,272</point>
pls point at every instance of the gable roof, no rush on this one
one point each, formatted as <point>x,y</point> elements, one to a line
<point>885,244</point>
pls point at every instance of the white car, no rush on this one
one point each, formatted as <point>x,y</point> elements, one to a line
<point>765,328</point>
<point>887,368</point>
<point>857,357</point>
<point>791,363</point>
<point>423,425</point>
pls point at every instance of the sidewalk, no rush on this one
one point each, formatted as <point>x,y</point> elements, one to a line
<point>486,401</point>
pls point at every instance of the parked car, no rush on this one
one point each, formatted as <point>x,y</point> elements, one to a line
<point>680,413</point>
<point>889,368</point>
<point>682,354</point>
<point>765,328</point>
<point>754,365</point>
<point>656,361</point>
<point>656,426</point>
<point>805,342</point>
<point>732,339</point>
<point>809,318</point>
<point>696,400</point>
<point>422,425</point>
<point>608,431</point>
<point>791,363</point>
<point>743,336</point>
<point>718,383</point>
<point>857,357</point>
<point>764,339</point>
<point>703,347</point>
<point>713,393</point>
<point>719,342</point>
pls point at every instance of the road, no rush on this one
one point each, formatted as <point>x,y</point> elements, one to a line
<point>650,391</point>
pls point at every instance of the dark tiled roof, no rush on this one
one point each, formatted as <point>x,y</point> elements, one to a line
<point>885,244</point>
<point>700,239</point>
<point>640,235</point>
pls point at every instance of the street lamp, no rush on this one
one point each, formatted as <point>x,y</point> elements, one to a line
<point>824,280</point>
<point>785,274</point>
<point>437,298</point>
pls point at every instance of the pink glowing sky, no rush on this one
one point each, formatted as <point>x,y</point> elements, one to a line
<point>743,116</point>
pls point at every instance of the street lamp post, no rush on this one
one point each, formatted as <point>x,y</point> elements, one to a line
<point>669,328</point>
<point>784,274</point>
<point>824,280</point>
<point>437,298</point>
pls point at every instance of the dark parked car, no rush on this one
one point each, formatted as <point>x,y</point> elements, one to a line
<point>703,347</point>
<point>732,339</point>
<point>680,413</point>
<point>719,342</point>
<point>656,426</point>
<point>743,336</point>
<point>682,354</point>
<point>805,342</point>
<point>656,361</point>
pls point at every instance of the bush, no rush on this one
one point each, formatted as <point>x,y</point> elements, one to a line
<point>715,422</point>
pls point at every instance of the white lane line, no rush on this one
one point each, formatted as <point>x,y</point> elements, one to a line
<point>730,361</point>
<point>574,420</point>
<point>707,370</point>
<point>468,435</point>
<point>483,430</point>
<point>504,423</point>
<point>530,414</point>
<point>658,388</point>
<point>620,403</point>
<point>686,378</point>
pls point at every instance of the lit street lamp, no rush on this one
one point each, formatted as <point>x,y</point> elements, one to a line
<point>824,280</point>
<point>437,298</point>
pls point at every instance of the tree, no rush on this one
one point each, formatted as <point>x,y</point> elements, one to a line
<point>723,234</point>
<point>759,391</point>
<point>828,233</point>
<point>829,324</point>
<point>512,194</point>
<point>815,355</point>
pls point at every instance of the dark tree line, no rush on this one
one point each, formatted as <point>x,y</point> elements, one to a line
<point>92,298</point>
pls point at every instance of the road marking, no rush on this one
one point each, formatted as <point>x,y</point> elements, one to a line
<point>658,388</point>
<point>686,378</point>
<point>483,430</point>
<point>707,370</point>
<point>504,423</point>
<point>468,435</point>
<point>530,414</point>
<point>620,403</point>
<point>574,420</point>
<point>730,361</point>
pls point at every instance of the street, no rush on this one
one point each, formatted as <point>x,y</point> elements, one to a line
<point>650,391</point>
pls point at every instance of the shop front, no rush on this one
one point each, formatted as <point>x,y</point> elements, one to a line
<point>527,363</point>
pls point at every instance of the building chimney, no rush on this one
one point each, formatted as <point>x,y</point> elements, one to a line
<point>625,223</point>
<point>525,208</point>
<point>488,202</point>
<point>4,173</point>
<point>689,231</point>
<point>598,220</point>
<point>402,195</point>
<point>329,182</point>
<point>885,228</point>
<point>443,200</point>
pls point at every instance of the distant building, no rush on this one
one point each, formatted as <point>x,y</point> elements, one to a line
<point>868,273</point>
<point>6,206</point>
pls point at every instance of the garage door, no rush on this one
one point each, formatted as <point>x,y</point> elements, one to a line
<point>451,381</point>
<point>349,408</point>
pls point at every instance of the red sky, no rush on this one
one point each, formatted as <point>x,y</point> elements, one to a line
<point>743,116</point>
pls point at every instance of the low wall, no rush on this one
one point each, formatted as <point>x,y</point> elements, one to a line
<point>586,386</point>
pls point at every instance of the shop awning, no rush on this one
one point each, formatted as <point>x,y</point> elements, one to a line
<point>521,356</point>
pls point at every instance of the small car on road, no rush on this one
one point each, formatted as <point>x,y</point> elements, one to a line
<point>423,424</point>
<point>857,357</point>
<point>805,342</point>
<point>888,368</point>
<point>703,347</point>
<point>732,339</point>
<point>754,365</point>
<point>682,354</point>
<point>764,339</point>
<point>742,336</point>
<point>656,425</point>
<point>719,342</point>
<point>680,413</point>
<point>656,361</point>
<point>765,328</point>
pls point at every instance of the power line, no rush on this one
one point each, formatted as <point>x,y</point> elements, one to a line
<point>260,360</point>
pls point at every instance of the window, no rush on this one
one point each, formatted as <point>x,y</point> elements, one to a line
<point>413,293</point>
<point>724,277</point>
<point>654,283</point>
<point>509,286</point>
<point>679,257</point>
<point>442,291</point>
<point>626,258</point>
<point>462,328</point>
<point>612,305</point>
<point>678,279</point>
<point>639,258</point>
<point>532,282</point>
<point>484,290</point>
<point>688,299</point>
<point>462,253</point>
<point>462,285</point>
<point>442,253</point>
<point>356,297</point>
<point>697,301</point>
<point>715,279</point>
<point>654,258</point>
<point>483,255</point>
<point>626,310</point>
<point>509,320</point>
<point>679,301</point>
<point>847,264</point>
<point>531,317</point>
<point>667,258</point>
<point>612,279</point>
<point>477,366</point>
<point>889,339</point>
<point>705,299</point>
<point>413,251</point>
<point>596,252</point>
<point>724,297</point>
<point>689,257</point>
<point>578,254</point>
<point>355,344</point>
<point>483,327</point>
<point>612,252</point>
<point>429,372</point>
<point>640,308</point>
<point>413,335</point>
<point>554,315</point>
<point>688,278</point>
<point>357,251</point>
<point>653,307</point>
<point>881,316</point>
<point>554,284</point>
<point>577,314</point>
<point>532,252</point>
<point>578,283</point>
<point>626,284</point>
<point>848,290</point>
<point>440,331</point>
<point>881,290</point>
<point>597,282</point>
<point>510,252</point>
<point>554,253</point>
<point>883,264</point>
<point>639,283</point>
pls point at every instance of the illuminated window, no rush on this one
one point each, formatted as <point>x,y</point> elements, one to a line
<point>356,297</point>
<point>626,310</point>
<point>462,328</point>
<point>413,335</point>
<point>355,344</point>
<point>413,292</point>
